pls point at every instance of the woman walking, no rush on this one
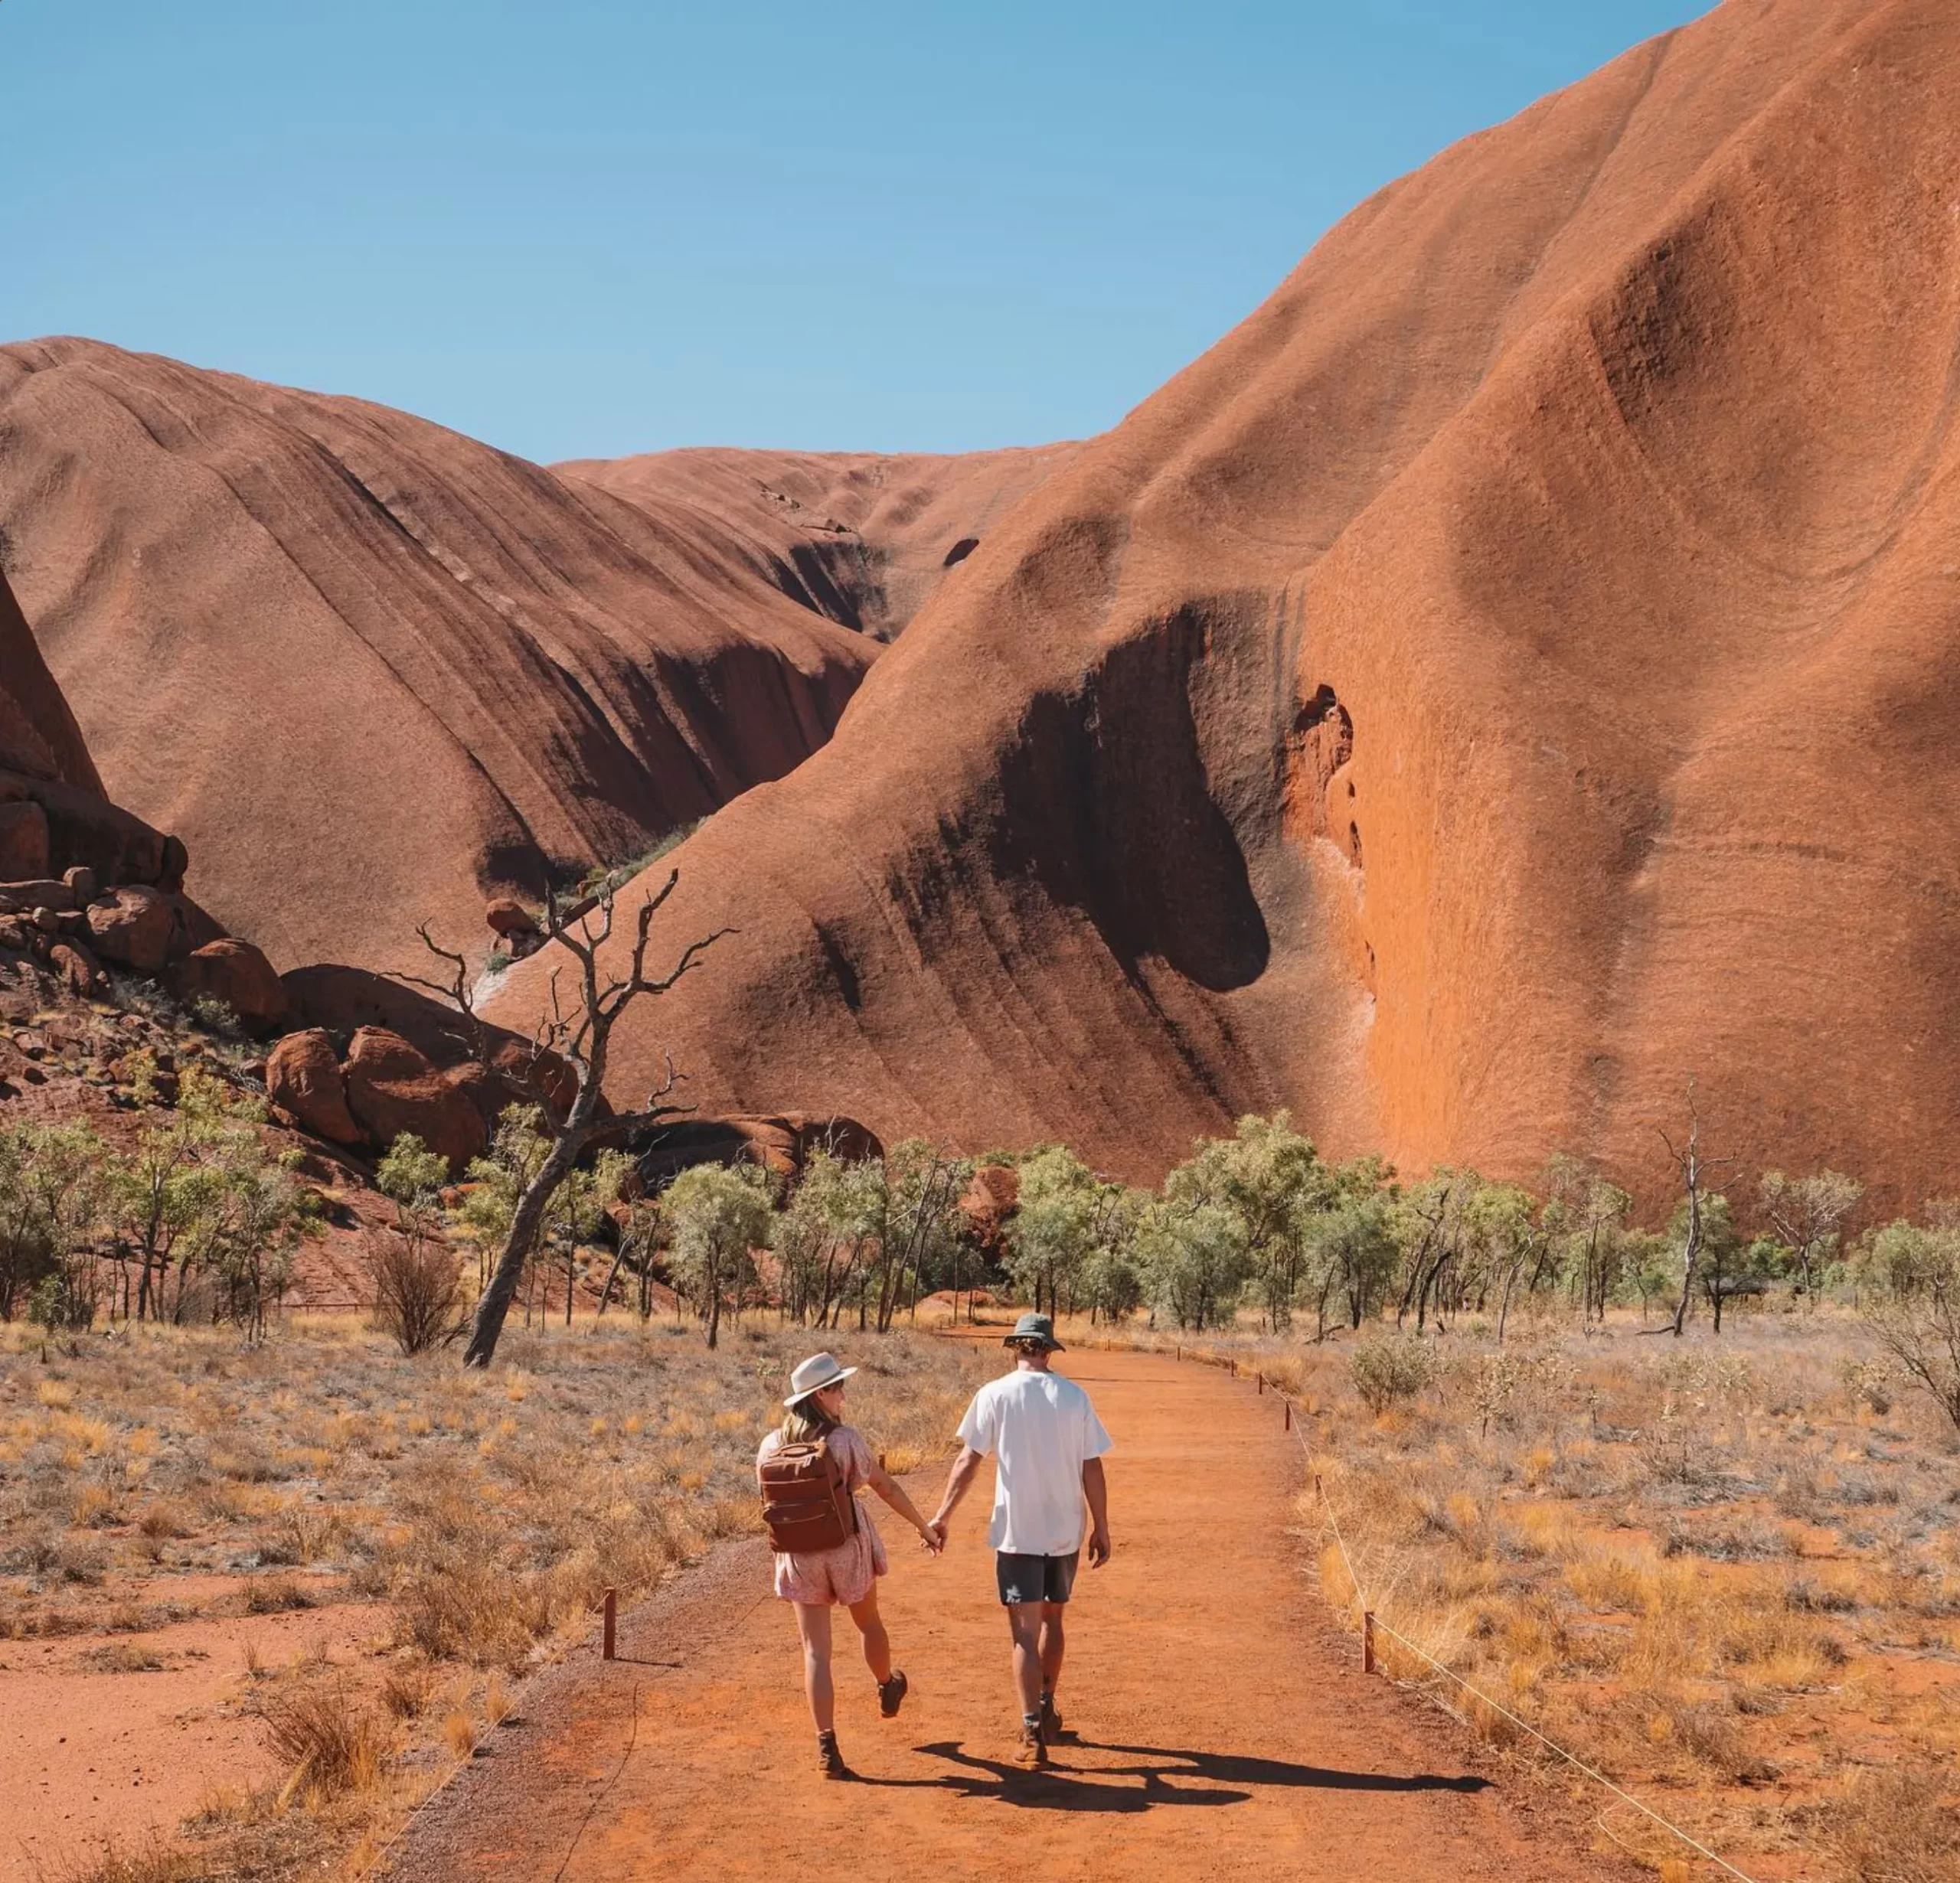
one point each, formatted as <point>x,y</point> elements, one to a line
<point>810,1490</point>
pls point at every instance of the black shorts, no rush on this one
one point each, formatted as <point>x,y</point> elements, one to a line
<point>1034,1579</point>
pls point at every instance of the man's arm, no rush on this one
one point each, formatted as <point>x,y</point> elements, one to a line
<point>958,1480</point>
<point>1095,1488</point>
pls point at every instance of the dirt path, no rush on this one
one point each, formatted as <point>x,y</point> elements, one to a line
<point>1221,1726</point>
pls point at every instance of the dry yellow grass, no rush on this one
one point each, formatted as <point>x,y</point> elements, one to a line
<point>1727,1572</point>
<point>482,1515</point>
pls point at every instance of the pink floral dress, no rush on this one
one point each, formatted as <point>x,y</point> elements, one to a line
<point>843,1575</point>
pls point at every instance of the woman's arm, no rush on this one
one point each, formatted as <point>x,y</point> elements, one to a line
<point>893,1492</point>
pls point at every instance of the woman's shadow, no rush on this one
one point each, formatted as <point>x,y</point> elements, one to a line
<point>1165,1777</point>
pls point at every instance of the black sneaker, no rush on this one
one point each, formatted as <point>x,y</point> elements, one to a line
<point>830,1761</point>
<point>892,1692</point>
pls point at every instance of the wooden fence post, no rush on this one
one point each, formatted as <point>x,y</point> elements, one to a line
<point>1289,1416</point>
<point>1367,1641</point>
<point>610,1650</point>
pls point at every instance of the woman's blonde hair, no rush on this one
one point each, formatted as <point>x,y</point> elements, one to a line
<point>806,1420</point>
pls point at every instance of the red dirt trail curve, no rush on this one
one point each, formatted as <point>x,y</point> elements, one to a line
<point>1218,1725</point>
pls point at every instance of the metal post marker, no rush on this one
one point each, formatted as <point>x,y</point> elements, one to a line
<point>1368,1641</point>
<point>612,1638</point>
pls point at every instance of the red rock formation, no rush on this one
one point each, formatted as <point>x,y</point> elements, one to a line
<point>304,1079</point>
<point>373,670</point>
<point>38,736</point>
<point>392,1087</point>
<point>1511,673</point>
<point>862,538</point>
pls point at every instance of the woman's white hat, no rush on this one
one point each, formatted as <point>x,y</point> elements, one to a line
<point>820,1370</point>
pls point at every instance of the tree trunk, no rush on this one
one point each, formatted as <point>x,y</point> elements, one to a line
<point>487,1327</point>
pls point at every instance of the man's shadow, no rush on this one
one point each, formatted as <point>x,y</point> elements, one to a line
<point>1218,1778</point>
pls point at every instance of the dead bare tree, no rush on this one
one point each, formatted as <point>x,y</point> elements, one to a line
<point>1694,1165</point>
<point>577,1034</point>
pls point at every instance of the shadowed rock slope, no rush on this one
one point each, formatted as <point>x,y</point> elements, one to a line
<point>1511,673</point>
<point>370,669</point>
<point>864,538</point>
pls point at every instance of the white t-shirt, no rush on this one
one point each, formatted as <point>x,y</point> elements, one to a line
<point>1038,1428</point>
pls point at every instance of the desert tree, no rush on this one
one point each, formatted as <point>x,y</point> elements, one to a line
<point>819,1238</point>
<point>1506,1229</point>
<point>50,1191</point>
<point>1808,1213</point>
<point>416,1285</point>
<point>1354,1249</point>
<point>918,1223</point>
<point>576,1035</point>
<point>1585,1218</point>
<point>1432,1219</point>
<point>1193,1261</point>
<point>1055,1224</point>
<point>1695,1167</point>
<point>1914,1310</point>
<point>1271,1178</point>
<point>716,1215</point>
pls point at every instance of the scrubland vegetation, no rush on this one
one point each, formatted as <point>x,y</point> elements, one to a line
<point>1727,1576</point>
<point>1720,1564</point>
<point>169,1475</point>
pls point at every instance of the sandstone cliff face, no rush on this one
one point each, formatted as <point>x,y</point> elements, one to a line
<point>1511,673</point>
<point>370,669</point>
<point>38,736</point>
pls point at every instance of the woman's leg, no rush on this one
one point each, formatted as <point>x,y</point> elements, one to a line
<point>877,1643</point>
<point>813,1624</point>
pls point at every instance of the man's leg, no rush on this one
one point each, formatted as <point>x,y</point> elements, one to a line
<point>1024,1621</point>
<point>1052,1644</point>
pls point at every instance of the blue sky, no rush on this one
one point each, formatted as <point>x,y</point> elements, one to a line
<point>596,226</point>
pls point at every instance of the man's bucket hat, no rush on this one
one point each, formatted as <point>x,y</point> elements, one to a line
<point>1035,1327</point>
<point>820,1370</point>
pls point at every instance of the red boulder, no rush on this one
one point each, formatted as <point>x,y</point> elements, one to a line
<point>238,973</point>
<point>134,927</point>
<point>303,1077</point>
<point>392,1087</point>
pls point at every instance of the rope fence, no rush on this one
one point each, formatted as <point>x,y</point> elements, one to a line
<point>1372,1625</point>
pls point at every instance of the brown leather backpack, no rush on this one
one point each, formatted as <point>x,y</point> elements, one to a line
<point>805,1501</point>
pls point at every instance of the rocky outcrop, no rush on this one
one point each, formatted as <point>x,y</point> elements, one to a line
<point>460,672</point>
<point>392,1087</point>
<point>1509,675</point>
<point>82,882</point>
<point>383,1085</point>
<point>303,1078</point>
<point>781,1145</point>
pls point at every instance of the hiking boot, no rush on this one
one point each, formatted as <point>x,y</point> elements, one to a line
<point>830,1761</point>
<point>1033,1751</point>
<point>892,1692</point>
<point>1051,1721</point>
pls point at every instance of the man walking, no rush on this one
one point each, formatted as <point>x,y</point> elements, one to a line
<point>1048,1446</point>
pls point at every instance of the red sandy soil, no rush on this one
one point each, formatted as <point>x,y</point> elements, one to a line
<point>93,1757</point>
<point>1603,475</point>
<point>1216,1724</point>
